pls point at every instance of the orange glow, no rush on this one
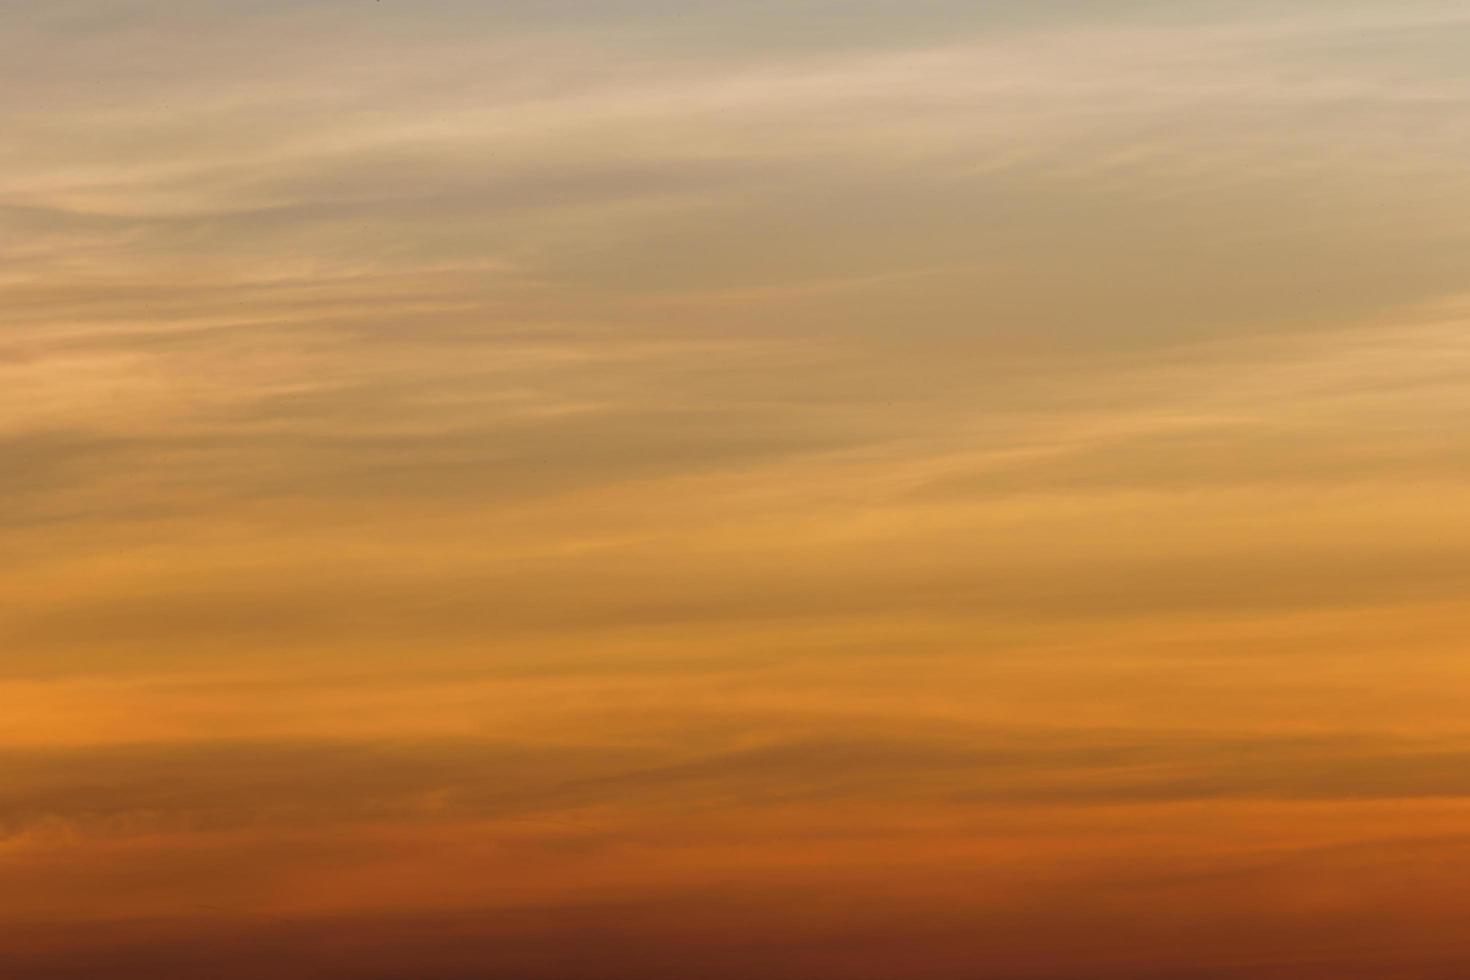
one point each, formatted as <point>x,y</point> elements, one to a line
<point>584,490</point>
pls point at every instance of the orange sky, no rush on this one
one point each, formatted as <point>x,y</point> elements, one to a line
<point>822,490</point>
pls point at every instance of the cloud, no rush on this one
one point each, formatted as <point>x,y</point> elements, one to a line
<point>573,491</point>
<point>293,785</point>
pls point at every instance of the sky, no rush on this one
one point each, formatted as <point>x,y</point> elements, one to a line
<point>805,490</point>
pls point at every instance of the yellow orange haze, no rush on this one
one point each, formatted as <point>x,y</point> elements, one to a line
<point>819,490</point>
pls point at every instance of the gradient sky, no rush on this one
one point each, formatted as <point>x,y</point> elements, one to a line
<point>652,490</point>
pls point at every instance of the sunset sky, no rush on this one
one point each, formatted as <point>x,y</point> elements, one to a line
<point>740,490</point>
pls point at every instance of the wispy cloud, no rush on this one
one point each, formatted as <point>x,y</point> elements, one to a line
<point>885,489</point>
